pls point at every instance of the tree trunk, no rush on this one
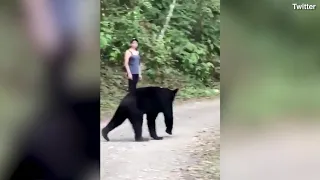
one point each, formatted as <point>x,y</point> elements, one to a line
<point>168,18</point>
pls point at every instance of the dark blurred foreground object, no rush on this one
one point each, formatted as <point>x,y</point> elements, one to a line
<point>64,141</point>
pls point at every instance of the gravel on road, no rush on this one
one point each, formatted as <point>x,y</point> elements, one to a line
<point>124,159</point>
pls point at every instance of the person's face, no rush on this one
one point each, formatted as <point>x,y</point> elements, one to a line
<point>134,44</point>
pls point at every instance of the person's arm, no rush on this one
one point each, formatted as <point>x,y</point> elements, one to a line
<point>140,72</point>
<point>126,61</point>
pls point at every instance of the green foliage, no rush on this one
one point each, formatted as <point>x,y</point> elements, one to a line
<point>188,54</point>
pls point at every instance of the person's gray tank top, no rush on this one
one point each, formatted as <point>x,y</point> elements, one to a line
<point>134,63</point>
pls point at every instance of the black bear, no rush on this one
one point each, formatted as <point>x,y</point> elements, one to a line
<point>145,100</point>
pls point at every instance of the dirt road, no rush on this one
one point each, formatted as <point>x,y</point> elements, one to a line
<point>124,159</point>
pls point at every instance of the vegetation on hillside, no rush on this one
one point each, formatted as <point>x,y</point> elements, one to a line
<point>179,42</point>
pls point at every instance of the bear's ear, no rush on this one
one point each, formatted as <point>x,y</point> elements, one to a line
<point>175,91</point>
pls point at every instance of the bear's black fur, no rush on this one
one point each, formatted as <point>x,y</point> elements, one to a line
<point>146,100</point>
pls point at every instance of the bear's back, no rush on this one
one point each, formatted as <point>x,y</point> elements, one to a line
<point>150,98</point>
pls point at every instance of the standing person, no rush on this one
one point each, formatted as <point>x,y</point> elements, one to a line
<point>132,65</point>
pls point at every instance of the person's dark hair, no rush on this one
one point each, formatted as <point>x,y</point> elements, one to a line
<point>134,39</point>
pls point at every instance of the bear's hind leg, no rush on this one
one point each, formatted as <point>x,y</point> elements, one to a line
<point>116,121</point>
<point>136,120</point>
<point>151,117</point>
